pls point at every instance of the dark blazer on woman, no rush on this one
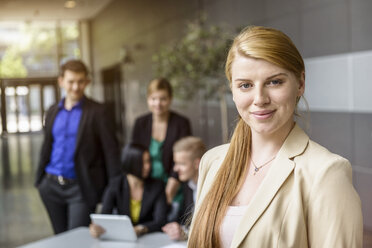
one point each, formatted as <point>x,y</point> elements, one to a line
<point>178,127</point>
<point>153,212</point>
<point>96,150</point>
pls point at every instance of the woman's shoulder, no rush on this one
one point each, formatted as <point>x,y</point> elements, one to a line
<point>323,153</point>
<point>209,166</point>
<point>217,151</point>
<point>178,117</point>
<point>327,178</point>
<point>310,157</point>
<point>144,117</point>
<point>214,156</point>
<point>318,159</point>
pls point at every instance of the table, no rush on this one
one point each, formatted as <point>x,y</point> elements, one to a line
<point>80,238</point>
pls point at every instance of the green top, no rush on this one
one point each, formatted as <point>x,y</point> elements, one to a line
<point>157,168</point>
<point>156,154</point>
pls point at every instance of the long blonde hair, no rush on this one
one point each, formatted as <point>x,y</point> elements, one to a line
<point>255,42</point>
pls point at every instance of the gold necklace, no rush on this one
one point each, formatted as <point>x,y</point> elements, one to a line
<point>257,168</point>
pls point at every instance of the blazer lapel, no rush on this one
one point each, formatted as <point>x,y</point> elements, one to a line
<point>146,201</point>
<point>125,200</point>
<point>53,113</point>
<point>282,167</point>
<point>147,132</point>
<point>82,124</point>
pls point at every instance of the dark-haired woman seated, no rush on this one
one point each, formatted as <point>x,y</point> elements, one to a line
<point>135,194</point>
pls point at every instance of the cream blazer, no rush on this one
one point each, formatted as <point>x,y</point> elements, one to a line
<point>306,199</point>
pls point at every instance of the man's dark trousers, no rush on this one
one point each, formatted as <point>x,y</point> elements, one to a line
<point>64,204</point>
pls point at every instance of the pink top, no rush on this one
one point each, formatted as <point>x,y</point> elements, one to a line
<point>229,224</point>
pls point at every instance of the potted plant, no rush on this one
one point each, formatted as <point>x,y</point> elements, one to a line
<point>195,63</point>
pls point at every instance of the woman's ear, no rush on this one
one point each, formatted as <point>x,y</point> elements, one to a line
<point>301,84</point>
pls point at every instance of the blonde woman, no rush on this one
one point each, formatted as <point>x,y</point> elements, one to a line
<point>272,186</point>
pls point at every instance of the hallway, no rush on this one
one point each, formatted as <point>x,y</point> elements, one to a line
<point>22,216</point>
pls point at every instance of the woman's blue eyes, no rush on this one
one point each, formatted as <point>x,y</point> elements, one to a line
<point>272,82</point>
<point>275,82</point>
<point>245,85</point>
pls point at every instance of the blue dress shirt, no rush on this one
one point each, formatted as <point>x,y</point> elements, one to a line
<point>65,130</point>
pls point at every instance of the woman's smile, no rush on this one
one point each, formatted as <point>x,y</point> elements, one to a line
<point>263,114</point>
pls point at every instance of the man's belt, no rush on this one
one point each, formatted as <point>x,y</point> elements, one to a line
<point>60,179</point>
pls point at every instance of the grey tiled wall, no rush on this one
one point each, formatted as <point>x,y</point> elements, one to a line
<point>350,135</point>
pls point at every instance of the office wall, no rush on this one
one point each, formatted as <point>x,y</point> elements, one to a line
<point>318,28</point>
<point>139,28</point>
<point>338,90</point>
<point>334,36</point>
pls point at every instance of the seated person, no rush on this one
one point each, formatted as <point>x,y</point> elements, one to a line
<point>135,194</point>
<point>187,153</point>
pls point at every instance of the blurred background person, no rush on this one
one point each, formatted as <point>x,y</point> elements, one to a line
<point>135,194</point>
<point>187,153</point>
<point>158,131</point>
<point>79,153</point>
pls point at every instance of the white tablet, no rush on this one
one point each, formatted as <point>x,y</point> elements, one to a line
<point>118,227</point>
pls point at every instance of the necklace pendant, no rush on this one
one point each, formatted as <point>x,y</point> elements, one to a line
<point>256,169</point>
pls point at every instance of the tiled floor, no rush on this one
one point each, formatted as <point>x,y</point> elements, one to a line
<point>22,215</point>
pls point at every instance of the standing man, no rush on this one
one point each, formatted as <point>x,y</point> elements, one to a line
<point>79,153</point>
<point>187,153</point>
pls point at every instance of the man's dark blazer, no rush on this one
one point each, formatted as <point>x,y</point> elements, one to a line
<point>153,212</point>
<point>96,150</point>
<point>187,206</point>
<point>178,127</point>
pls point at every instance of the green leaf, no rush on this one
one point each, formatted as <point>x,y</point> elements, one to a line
<point>196,61</point>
